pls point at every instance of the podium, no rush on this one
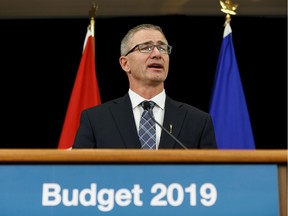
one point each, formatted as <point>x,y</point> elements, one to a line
<point>143,182</point>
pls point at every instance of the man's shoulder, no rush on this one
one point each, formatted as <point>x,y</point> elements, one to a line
<point>185,106</point>
<point>106,105</point>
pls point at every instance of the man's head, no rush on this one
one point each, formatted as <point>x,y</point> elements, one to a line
<point>145,56</point>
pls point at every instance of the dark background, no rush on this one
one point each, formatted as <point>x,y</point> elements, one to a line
<point>40,59</point>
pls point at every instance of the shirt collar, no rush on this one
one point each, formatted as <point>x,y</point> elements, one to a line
<point>137,99</point>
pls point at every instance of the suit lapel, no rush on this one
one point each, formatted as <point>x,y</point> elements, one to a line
<point>123,116</point>
<point>173,120</point>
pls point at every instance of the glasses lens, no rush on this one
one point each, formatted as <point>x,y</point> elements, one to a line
<point>145,48</point>
<point>163,48</point>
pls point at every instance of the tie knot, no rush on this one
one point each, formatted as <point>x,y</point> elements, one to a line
<point>148,105</point>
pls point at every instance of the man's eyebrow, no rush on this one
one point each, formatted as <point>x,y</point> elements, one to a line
<point>158,42</point>
<point>147,42</point>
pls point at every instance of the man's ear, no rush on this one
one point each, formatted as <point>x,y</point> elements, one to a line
<point>124,63</point>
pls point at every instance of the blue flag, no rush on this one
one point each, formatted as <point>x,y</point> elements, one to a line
<point>228,105</point>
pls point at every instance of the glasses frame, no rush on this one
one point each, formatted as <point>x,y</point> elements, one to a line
<point>136,47</point>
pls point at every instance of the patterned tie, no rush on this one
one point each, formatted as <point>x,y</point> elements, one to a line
<point>147,128</point>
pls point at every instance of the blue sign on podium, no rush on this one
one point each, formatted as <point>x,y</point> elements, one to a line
<point>139,189</point>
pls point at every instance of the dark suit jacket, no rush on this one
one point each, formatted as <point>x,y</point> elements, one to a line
<point>112,125</point>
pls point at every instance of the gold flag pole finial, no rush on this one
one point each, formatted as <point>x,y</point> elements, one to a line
<point>229,8</point>
<point>92,14</point>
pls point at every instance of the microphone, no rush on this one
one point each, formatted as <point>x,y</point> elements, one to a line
<point>147,106</point>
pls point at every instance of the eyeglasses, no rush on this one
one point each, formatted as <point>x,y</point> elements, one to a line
<point>148,48</point>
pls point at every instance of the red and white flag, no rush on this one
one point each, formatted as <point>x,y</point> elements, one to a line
<point>85,93</point>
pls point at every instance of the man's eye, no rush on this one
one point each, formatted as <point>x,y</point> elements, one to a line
<point>162,48</point>
<point>148,48</point>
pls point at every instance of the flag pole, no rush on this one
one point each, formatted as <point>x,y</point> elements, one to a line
<point>92,15</point>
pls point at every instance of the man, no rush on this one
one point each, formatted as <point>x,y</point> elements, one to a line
<point>115,124</point>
